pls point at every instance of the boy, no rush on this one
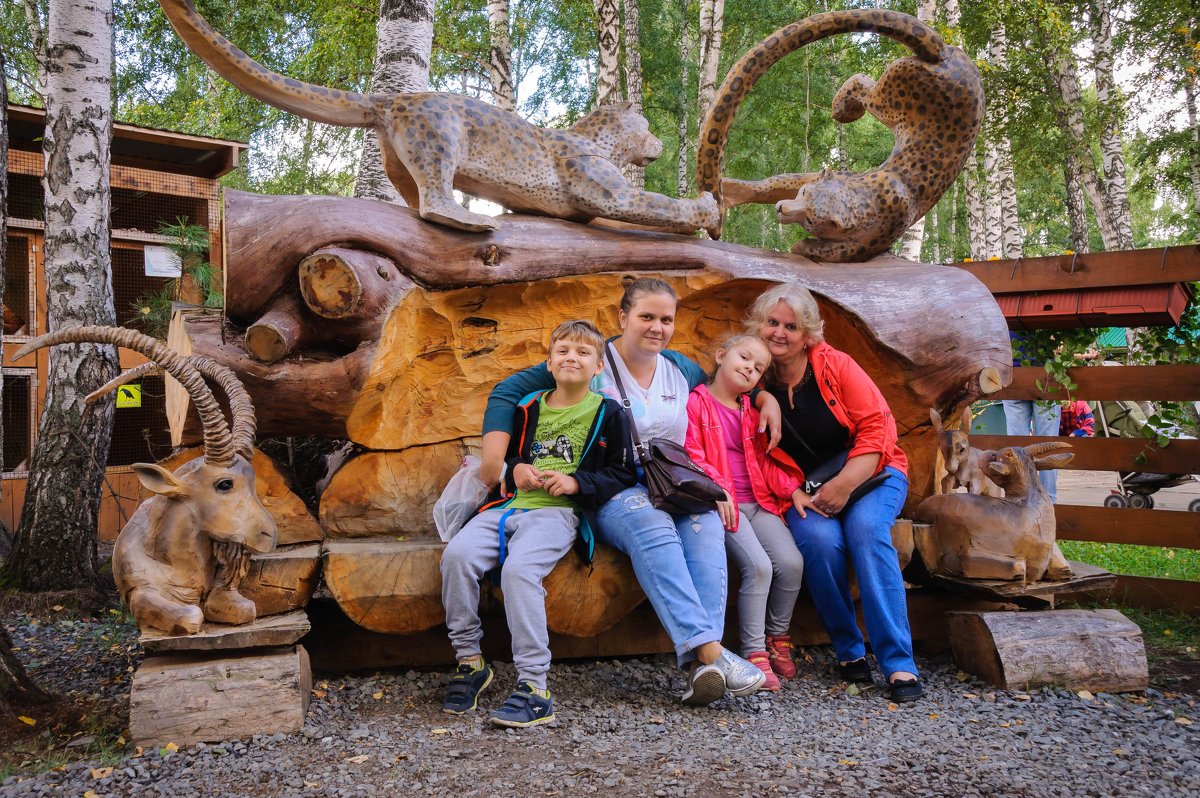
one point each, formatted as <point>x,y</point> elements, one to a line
<point>570,453</point>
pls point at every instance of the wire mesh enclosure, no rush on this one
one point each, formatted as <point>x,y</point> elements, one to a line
<point>140,433</point>
<point>19,418</point>
<point>19,318</point>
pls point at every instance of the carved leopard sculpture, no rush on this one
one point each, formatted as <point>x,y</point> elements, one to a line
<point>932,101</point>
<point>434,142</point>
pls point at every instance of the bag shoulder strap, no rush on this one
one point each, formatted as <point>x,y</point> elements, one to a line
<point>625,403</point>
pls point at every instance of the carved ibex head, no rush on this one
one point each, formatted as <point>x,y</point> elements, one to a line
<point>218,488</point>
<point>1015,467</point>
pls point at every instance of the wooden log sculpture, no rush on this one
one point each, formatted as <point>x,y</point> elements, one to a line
<point>983,537</point>
<point>181,556</point>
<point>433,143</point>
<point>933,103</point>
<point>964,463</point>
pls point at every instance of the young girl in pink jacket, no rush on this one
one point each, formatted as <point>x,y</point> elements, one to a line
<point>723,439</point>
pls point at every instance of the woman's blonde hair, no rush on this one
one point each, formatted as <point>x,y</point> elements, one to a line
<point>796,297</point>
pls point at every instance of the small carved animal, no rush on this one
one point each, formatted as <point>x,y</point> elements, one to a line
<point>964,463</point>
<point>983,537</point>
<point>932,102</point>
<point>179,559</point>
<point>434,142</point>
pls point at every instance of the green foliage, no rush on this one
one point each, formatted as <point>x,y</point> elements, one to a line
<point>152,311</point>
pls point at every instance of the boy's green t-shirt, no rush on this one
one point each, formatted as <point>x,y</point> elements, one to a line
<point>558,444</point>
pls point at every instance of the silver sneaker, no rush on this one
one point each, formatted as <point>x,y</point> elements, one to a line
<point>742,678</point>
<point>705,685</point>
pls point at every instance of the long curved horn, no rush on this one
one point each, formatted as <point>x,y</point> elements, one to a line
<point>1038,449</point>
<point>244,425</point>
<point>218,443</point>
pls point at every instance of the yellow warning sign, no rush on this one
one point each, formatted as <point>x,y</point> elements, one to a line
<point>129,396</point>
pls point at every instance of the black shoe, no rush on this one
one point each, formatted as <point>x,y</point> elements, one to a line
<point>857,671</point>
<point>903,690</point>
<point>466,684</point>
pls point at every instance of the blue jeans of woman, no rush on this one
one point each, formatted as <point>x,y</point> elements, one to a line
<point>679,562</point>
<point>860,535</point>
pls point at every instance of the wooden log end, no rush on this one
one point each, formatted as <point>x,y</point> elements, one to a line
<point>989,380</point>
<point>329,285</point>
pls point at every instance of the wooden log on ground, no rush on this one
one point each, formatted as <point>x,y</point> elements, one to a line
<point>279,331</point>
<point>282,580</point>
<point>1096,650</point>
<point>479,295</point>
<point>391,493</point>
<point>186,699</point>
<point>292,518</point>
<point>585,602</point>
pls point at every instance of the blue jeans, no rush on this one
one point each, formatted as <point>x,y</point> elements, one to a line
<point>862,536</point>
<point>679,562</point>
<point>1023,415</point>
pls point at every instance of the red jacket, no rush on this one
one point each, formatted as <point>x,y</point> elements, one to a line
<point>773,476</point>
<point>858,405</point>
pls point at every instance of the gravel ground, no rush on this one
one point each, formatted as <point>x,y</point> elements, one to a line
<point>620,731</point>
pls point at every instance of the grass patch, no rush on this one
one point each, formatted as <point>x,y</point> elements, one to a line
<point>1121,558</point>
<point>65,731</point>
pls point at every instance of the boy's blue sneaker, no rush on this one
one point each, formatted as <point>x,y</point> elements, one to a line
<point>524,708</point>
<point>466,684</point>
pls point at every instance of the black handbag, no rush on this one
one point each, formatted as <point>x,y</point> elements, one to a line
<point>674,483</point>
<point>819,475</point>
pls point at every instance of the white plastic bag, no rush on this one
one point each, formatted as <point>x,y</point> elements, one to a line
<point>462,496</point>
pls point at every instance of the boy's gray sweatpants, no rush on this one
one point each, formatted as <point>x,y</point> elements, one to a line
<point>771,568</point>
<point>537,540</point>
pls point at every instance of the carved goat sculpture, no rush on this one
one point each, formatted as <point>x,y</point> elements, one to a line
<point>179,559</point>
<point>434,142</point>
<point>983,537</point>
<point>964,463</point>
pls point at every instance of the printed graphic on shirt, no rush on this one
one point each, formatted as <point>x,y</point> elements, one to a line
<point>558,444</point>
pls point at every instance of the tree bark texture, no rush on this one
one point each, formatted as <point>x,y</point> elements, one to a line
<point>608,35</point>
<point>1011,240</point>
<point>973,188</point>
<point>55,546</point>
<point>500,56</point>
<point>404,37</point>
<point>1189,87</point>
<point>1076,212</point>
<point>1070,112</point>
<point>992,214</point>
<point>486,304</point>
<point>636,175</point>
<point>1110,107</point>
<point>684,164</point>
<point>712,25</point>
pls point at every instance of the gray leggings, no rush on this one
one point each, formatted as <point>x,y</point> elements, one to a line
<point>771,568</point>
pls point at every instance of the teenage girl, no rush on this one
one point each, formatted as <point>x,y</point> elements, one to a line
<point>723,439</point>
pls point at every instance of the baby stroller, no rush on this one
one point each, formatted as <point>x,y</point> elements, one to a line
<point>1135,489</point>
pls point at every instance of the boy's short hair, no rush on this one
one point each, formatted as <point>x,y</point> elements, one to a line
<point>578,330</point>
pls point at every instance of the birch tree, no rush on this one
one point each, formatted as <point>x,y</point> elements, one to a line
<point>500,59</point>
<point>1189,88</point>
<point>608,32</point>
<point>1111,112</point>
<point>404,38</point>
<point>910,242</point>
<point>685,128</point>
<point>633,78</point>
<point>55,544</point>
<point>712,25</point>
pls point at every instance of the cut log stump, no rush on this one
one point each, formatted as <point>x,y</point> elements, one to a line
<point>582,601</point>
<point>282,580</point>
<point>1097,650</point>
<point>277,630</point>
<point>186,699</point>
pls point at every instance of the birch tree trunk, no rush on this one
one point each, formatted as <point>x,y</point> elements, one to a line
<point>1110,107</point>
<point>55,545</point>
<point>633,78</point>
<point>910,242</point>
<point>1076,213</point>
<point>500,60</point>
<point>992,238</point>
<point>608,29</point>
<point>1189,90</point>
<point>973,190</point>
<point>404,37</point>
<point>1011,241</point>
<point>685,127</point>
<point>1070,113</point>
<point>712,24</point>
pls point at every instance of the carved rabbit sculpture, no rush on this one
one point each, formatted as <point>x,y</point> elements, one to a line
<point>179,559</point>
<point>964,463</point>
<point>983,537</point>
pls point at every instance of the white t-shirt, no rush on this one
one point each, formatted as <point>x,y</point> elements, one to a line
<point>659,411</point>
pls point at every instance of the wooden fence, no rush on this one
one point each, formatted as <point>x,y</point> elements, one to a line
<point>1173,528</point>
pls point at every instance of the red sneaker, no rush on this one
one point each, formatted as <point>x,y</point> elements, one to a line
<point>761,661</point>
<point>779,649</point>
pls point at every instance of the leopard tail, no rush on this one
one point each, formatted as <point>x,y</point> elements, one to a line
<point>925,43</point>
<point>318,103</point>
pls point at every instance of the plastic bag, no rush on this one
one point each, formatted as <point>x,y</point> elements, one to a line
<point>461,498</point>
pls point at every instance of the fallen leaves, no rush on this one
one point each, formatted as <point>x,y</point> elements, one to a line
<point>440,731</point>
<point>892,706</point>
<point>101,773</point>
<point>1182,721</point>
<point>1086,695</point>
<point>28,721</point>
<point>378,694</point>
<point>169,748</point>
<point>358,760</point>
<point>1023,697</point>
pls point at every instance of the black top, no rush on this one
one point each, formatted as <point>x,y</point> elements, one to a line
<point>808,415</point>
